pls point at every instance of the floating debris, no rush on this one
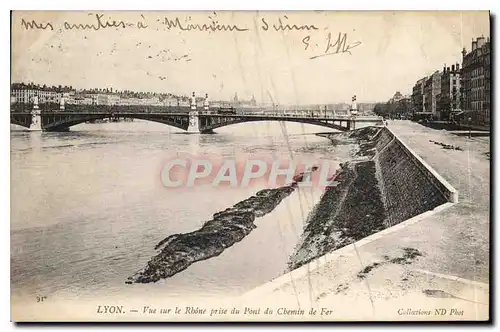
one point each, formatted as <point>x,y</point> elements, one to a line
<point>447,146</point>
<point>409,255</point>
<point>438,293</point>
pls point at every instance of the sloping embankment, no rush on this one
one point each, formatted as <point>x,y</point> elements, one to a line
<point>386,184</point>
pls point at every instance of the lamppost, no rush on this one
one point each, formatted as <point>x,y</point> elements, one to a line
<point>206,104</point>
<point>470,120</point>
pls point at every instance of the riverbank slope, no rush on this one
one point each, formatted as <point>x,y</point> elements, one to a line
<point>438,260</point>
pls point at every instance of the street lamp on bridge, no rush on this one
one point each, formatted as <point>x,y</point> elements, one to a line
<point>205,103</point>
<point>193,102</point>
<point>470,123</point>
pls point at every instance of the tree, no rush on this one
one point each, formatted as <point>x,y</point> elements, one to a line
<point>381,109</point>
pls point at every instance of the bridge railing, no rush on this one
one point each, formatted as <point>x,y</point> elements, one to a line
<point>99,109</point>
<point>125,108</point>
<point>293,115</point>
<point>21,107</point>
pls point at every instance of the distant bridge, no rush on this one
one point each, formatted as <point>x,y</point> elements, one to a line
<point>184,118</point>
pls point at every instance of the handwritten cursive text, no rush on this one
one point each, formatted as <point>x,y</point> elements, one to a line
<point>286,27</point>
<point>339,46</point>
<point>34,25</point>
<point>213,26</point>
<point>99,24</point>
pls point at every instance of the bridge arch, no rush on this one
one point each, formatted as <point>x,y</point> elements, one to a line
<point>207,124</point>
<point>23,122</point>
<point>61,122</point>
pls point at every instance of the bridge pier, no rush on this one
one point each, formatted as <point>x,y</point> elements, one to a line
<point>194,119</point>
<point>194,123</point>
<point>36,118</point>
<point>351,124</point>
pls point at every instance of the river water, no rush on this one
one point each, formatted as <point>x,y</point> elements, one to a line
<point>88,207</point>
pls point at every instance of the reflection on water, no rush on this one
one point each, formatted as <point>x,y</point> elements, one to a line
<point>88,206</point>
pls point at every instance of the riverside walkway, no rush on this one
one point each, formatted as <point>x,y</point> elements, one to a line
<point>412,270</point>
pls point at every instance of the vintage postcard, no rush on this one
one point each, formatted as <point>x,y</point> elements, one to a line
<point>250,166</point>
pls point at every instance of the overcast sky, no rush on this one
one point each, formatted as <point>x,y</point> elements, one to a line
<point>395,49</point>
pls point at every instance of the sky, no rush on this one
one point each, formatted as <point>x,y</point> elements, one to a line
<point>389,52</point>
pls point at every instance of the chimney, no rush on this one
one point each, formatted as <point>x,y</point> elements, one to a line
<point>444,68</point>
<point>453,68</point>
<point>474,45</point>
<point>464,53</point>
<point>457,66</point>
<point>480,41</point>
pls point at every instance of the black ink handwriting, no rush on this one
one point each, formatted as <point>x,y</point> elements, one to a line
<point>100,23</point>
<point>338,47</point>
<point>286,27</point>
<point>34,25</point>
<point>140,24</point>
<point>306,40</point>
<point>212,27</point>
